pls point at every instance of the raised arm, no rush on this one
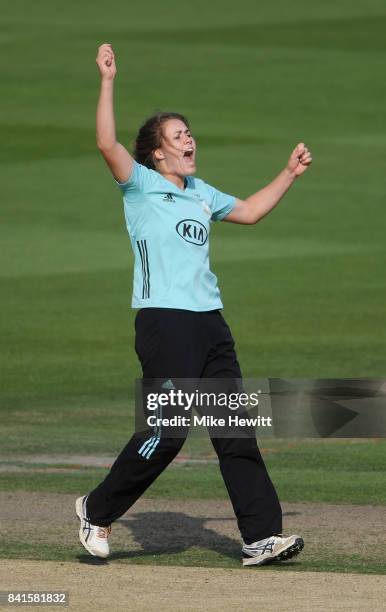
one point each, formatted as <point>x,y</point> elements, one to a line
<point>117,157</point>
<point>258,205</point>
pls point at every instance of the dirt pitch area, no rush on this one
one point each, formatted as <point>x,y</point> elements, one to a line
<point>190,589</point>
<point>154,526</point>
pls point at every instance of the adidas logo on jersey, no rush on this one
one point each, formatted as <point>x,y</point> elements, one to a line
<point>168,198</point>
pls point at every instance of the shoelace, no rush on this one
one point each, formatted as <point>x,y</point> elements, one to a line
<point>103,532</point>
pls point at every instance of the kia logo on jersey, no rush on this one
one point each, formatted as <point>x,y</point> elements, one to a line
<point>192,231</point>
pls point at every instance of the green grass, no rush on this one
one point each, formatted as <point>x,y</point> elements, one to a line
<point>293,485</point>
<point>193,557</point>
<point>309,472</point>
<point>337,472</point>
<point>304,291</point>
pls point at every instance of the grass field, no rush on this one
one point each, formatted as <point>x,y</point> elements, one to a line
<point>306,471</point>
<point>304,291</point>
<point>341,485</point>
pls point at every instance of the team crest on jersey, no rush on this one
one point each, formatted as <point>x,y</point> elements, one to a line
<point>204,205</point>
<point>206,208</point>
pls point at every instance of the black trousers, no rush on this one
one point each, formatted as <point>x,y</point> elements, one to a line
<point>173,343</point>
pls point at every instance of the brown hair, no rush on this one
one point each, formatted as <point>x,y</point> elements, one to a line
<point>149,137</point>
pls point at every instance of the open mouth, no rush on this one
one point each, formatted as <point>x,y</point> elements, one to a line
<point>189,153</point>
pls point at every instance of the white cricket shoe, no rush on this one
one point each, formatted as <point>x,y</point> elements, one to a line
<point>93,538</point>
<point>278,548</point>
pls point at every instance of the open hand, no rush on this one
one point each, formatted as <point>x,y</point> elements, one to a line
<point>106,61</point>
<point>300,159</point>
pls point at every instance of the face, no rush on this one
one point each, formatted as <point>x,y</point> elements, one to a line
<point>177,153</point>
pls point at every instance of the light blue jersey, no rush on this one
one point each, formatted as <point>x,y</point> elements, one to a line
<point>169,232</point>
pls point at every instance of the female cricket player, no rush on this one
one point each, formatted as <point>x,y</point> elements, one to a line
<point>168,213</point>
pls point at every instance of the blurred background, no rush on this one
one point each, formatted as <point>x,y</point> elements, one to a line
<point>304,291</point>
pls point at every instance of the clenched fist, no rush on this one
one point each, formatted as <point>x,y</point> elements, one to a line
<point>106,61</point>
<point>300,159</point>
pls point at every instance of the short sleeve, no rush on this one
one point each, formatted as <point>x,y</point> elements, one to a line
<point>140,180</point>
<point>221,205</point>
